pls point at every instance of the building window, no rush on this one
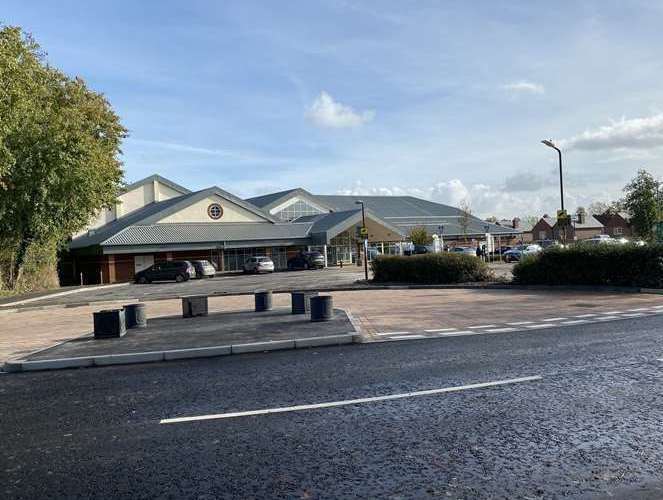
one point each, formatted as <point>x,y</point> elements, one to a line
<point>619,230</point>
<point>215,211</point>
<point>542,235</point>
<point>298,209</point>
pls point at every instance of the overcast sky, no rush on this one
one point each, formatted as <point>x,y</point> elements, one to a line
<point>439,99</point>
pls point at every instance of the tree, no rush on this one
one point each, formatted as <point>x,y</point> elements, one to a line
<point>465,217</point>
<point>419,236</point>
<point>59,157</point>
<point>642,201</point>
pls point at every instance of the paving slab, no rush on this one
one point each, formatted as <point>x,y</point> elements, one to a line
<point>245,331</point>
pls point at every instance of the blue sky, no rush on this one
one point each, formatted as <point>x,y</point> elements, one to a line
<point>440,99</point>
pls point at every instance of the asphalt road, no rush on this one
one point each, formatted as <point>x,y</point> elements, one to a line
<point>229,283</point>
<point>590,427</point>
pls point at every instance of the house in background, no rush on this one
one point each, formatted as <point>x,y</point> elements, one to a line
<point>616,224</point>
<point>583,227</point>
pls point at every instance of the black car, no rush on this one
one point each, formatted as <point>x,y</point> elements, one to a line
<point>307,260</point>
<point>178,270</point>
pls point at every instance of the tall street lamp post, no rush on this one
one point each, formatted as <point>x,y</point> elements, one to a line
<point>562,218</point>
<point>551,144</point>
<point>364,233</point>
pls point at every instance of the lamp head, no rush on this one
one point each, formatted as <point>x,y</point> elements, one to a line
<point>549,143</point>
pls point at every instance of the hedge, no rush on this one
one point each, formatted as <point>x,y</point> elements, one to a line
<point>615,265</point>
<point>437,268</point>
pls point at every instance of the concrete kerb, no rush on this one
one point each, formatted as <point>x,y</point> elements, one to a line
<point>24,365</point>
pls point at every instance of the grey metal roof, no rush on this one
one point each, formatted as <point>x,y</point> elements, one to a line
<point>590,223</point>
<point>403,212</point>
<point>156,177</point>
<point>207,232</point>
<point>154,212</point>
<point>269,201</point>
<point>407,212</point>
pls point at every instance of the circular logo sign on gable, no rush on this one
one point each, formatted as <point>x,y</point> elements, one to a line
<point>215,211</point>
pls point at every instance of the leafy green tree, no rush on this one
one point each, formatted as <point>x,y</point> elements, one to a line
<point>642,201</point>
<point>59,157</point>
<point>419,236</point>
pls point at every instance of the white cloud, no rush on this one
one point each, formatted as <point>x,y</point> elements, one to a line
<point>636,133</point>
<point>523,86</point>
<point>328,113</point>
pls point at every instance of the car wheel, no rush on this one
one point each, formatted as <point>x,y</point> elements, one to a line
<point>143,280</point>
<point>305,265</point>
<point>179,278</point>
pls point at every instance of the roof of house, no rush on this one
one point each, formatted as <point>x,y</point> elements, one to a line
<point>591,222</point>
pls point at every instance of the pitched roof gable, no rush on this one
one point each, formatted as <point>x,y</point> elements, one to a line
<point>158,178</point>
<point>154,212</point>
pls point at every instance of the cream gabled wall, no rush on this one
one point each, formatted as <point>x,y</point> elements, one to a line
<point>166,193</point>
<point>130,201</point>
<point>198,212</point>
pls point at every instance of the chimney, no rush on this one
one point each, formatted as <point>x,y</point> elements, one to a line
<point>581,216</point>
<point>515,222</point>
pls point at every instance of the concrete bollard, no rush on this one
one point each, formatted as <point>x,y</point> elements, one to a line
<point>135,316</point>
<point>109,323</point>
<point>301,301</point>
<point>263,300</point>
<point>322,308</point>
<point>194,305</point>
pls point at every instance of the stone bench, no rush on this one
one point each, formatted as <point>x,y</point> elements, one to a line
<point>194,305</point>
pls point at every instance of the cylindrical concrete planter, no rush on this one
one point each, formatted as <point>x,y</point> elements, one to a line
<point>301,301</point>
<point>109,323</point>
<point>135,316</point>
<point>263,299</point>
<point>322,308</point>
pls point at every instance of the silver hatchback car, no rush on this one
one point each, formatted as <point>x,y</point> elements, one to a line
<point>258,264</point>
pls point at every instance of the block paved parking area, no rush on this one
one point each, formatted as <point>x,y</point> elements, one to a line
<point>374,312</point>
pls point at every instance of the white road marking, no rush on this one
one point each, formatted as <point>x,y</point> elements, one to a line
<point>437,330</point>
<point>407,337</point>
<point>544,325</point>
<point>611,312</point>
<point>518,323</point>
<point>483,326</point>
<point>460,333</point>
<point>658,307</point>
<point>633,315</point>
<point>639,309</point>
<point>574,322</point>
<point>606,318</point>
<point>554,319</point>
<point>501,330</point>
<point>392,333</point>
<point>347,402</point>
<point>585,316</point>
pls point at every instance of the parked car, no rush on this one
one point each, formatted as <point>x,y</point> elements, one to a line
<point>520,251</point>
<point>465,250</point>
<point>178,270</point>
<point>501,250</point>
<point>421,249</point>
<point>600,239</point>
<point>204,269</point>
<point>306,260</point>
<point>258,264</point>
